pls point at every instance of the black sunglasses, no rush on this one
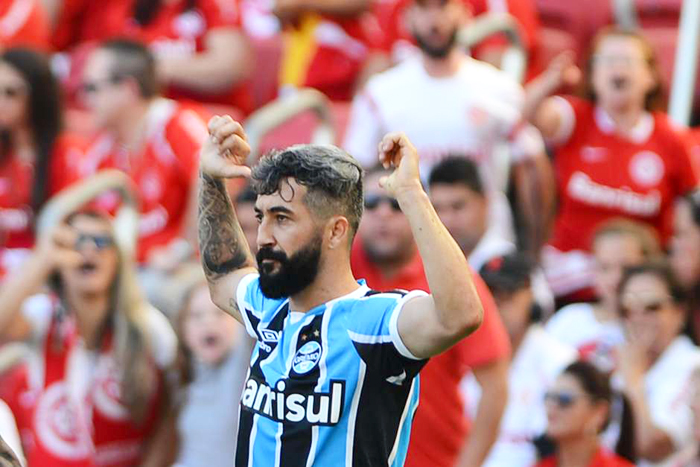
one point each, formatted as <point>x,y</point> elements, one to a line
<point>561,399</point>
<point>372,202</point>
<point>99,241</point>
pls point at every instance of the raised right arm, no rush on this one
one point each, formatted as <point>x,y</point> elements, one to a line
<point>225,255</point>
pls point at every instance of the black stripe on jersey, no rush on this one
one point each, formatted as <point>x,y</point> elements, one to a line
<point>246,417</point>
<point>382,403</point>
<point>395,291</point>
<point>296,438</point>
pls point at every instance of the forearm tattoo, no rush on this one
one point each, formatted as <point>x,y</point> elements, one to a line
<point>222,244</point>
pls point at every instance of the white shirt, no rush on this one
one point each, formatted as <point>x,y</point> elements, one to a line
<point>668,392</point>
<point>577,326</point>
<point>536,364</point>
<point>475,112</point>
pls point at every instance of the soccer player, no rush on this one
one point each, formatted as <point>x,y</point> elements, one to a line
<point>332,380</point>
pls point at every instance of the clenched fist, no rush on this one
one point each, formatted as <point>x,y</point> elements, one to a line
<point>395,150</point>
<point>225,151</point>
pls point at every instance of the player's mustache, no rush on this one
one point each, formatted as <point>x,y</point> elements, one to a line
<point>269,253</point>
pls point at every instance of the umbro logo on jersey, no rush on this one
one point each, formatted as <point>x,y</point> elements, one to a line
<point>269,335</point>
<point>397,380</point>
<point>317,408</point>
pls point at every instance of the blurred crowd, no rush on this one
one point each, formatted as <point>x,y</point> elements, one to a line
<point>569,189</point>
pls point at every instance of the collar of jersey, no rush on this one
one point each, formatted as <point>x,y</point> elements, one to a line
<point>357,293</point>
<point>639,134</point>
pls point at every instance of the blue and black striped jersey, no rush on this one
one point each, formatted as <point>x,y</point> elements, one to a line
<point>334,386</point>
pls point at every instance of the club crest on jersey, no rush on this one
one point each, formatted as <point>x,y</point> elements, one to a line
<point>307,357</point>
<point>646,168</point>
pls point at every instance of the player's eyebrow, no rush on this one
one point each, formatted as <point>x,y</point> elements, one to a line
<point>275,210</point>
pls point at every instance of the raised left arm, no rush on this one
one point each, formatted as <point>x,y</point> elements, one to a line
<point>429,325</point>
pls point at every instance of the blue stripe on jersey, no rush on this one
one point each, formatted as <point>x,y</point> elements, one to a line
<point>333,388</point>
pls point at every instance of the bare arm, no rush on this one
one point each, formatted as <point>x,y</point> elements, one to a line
<point>541,110</point>
<point>493,379</point>
<point>225,61</point>
<point>225,255</point>
<point>430,325</point>
<point>534,182</point>
<point>653,444</point>
<point>30,278</point>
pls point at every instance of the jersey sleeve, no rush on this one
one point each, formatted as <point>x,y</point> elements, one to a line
<point>687,171</point>
<point>254,306</point>
<point>373,328</point>
<point>490,342</point>
<point>670,413</point>
<point>185,133</point>
<point>364,131</point>
<point>570,109</point>
<point>38,311</point>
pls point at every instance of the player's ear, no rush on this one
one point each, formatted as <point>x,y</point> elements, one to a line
<point>337,231</point>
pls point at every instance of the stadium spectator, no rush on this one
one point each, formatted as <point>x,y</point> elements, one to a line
<point>35,156</point>
<point>154,140</point>
<point>656,362</point>
<point>595,329</point>
<point>24,23</point>
<point>99,350</point>
<point>537,360</point>
<point>399,43</point>
<point>579,405</point>
<point>685,255</point>
<point>459,198</point>
<point>326,44</point>
<point>448,103</point>
<point>386,256</point>
<point>615,155</point>
<point>245,211</point>
<point>201,53</point>
<point>211,377</point>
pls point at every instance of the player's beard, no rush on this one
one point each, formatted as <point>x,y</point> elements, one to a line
<point>294,274</point>
<point>436,51</point>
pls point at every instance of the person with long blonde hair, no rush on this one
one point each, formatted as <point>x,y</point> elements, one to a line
<point>93,391</point>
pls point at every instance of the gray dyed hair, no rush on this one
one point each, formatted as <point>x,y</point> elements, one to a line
<point>332,177</point>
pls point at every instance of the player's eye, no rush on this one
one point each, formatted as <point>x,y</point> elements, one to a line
<point>281,219</point>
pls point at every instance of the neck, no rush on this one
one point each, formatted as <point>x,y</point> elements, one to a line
<point>90,312</point>
<point>330,283</point>
<point>130,130</point>
<point>443,67</point>
<point>578,452</point>
<point>516,340</point>
<point>625,119</point>
<point>23,144</point>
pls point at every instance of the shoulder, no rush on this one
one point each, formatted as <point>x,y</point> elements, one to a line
<point>570,317</point>
<point>187,120</point>
<point>397,78</point>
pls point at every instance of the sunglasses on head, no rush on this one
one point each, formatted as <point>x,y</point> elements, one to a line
<point>373,201</point>
<point>561,399</point>
<point>99,241</point>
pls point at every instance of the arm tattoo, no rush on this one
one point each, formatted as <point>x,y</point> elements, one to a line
<point>222,244</point>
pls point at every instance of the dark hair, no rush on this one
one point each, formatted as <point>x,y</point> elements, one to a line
<point>246,195</point>
<point>132,59</point>
<point>662,271</point>
<point>693,199</point>
<point>457,170</point>
<point>44,109</point>
<point>145,11</point>
<point>332,177</point>
<point>654,100</point>
<point>643,233</point>
<point>596,384</point>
